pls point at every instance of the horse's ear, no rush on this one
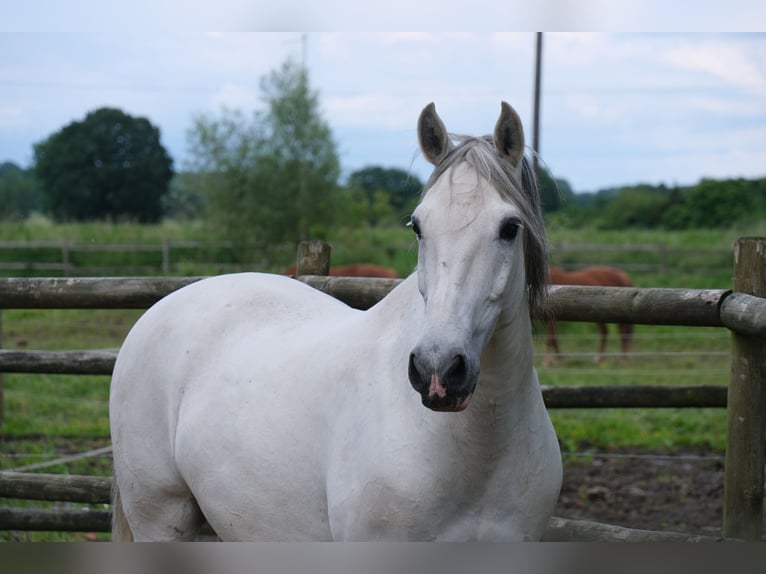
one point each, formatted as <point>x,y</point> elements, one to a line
<point>432,135</point>
<point>509,135</point>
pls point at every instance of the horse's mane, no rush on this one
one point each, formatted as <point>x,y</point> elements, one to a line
<point>518,186</point>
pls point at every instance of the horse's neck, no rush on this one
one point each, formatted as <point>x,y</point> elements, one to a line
<point>507,395</point>
<point>507,363</point>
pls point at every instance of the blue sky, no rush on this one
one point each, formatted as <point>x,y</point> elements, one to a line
<point>617,108</point>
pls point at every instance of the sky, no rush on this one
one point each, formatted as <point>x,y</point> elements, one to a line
<point>617,108</point>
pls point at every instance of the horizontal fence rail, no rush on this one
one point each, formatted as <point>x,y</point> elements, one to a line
<point>739,312</point>
<point>574,397</point>
<point>97,490</point>
<point>68,258</point>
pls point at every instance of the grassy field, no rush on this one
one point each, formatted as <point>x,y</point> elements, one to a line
<point>49,416</point>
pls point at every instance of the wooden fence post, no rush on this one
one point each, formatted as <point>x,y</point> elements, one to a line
<point>313,258</point>
<point>743,482</point>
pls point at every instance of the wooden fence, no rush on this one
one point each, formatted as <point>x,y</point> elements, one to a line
<point>71,258</point>
<point>741,310</point>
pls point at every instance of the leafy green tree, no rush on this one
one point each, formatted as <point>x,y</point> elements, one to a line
<point>109,165</point>
<point>271,177</point>
<point>388,192</point>
<point>19,192</point>
<point>183,201</point>
<point>555,193</point>
<point>639,206</point>
<point>712,203</point>
<point>301,153</point>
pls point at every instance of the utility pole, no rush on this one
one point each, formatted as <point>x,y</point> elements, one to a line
<point>536,124</point>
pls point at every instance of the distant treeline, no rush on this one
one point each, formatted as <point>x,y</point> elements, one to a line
<point>388,193</point>
<point>709,204</point>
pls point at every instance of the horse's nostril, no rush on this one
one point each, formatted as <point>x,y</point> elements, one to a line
<point>416,377</point>
<point>457,370</point>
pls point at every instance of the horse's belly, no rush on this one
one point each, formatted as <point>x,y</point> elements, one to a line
<point>254,464</point>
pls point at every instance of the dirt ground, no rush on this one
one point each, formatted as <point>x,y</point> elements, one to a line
<point>679,492</point>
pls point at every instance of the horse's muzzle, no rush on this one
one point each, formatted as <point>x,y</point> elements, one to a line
<point>443,385</point>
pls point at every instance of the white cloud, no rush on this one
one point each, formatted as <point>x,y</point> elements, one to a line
<point>381,111</point>
<point>738,64</point>
<point>234,96</point>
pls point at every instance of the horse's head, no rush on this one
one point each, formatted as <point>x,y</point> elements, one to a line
<point>482,252</point>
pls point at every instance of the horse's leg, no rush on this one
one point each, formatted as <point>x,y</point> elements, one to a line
<point>173,519</point>
<point>121,531</point>
<point>626,335</point>
<point>602,328</point>
<point>154,513</point>
<point>553,355</point>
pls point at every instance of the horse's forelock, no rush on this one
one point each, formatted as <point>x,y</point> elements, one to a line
<point>517,185</point>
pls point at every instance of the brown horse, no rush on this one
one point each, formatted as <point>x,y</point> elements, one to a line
<point>356,270</point>
<point>600,276</point>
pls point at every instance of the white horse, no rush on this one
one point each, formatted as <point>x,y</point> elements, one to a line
<point>275,412</point>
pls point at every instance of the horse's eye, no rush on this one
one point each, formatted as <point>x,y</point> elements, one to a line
<point>415,227</point>
<point>509,229</point>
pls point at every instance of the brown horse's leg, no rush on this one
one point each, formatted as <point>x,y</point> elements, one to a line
<point>553,356</point>
<point>626,336</point>
<point>602,328</point>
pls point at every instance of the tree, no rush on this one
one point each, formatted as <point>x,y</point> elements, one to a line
<point>715,204</point>
<point>271,177</point>
<point>109,165</point>
<point>555,193</point>
<point>19,192</point>
<point>300,148</point>
<point>387,191</point>
<point>639,206</point>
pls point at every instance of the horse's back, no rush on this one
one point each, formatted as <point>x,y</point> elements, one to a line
<point>598,275</point>
<point>609,277</point>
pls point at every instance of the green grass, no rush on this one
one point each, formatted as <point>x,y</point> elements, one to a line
<point>661,355</point>
<point>48,416</point>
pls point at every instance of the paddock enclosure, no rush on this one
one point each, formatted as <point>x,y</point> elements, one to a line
<point>741,310</point>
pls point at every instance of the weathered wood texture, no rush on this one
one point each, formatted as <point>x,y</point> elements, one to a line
<point>55,520</point>
<point>60,487</point>
<point>96,362</point>
<point>642,396</point>
<point>87,292</point>
<point>653,306</point>
<point>744,474</point>
<point>744,314</point>
<point>313,258</point>
<point>565,530</point>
